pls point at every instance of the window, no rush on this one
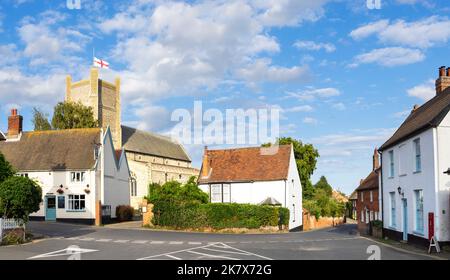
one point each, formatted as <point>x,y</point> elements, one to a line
<point>221,193</point>
<point>362,196</point>
<point>417,155</point>
<point>419,210</point>
<point>371,196</point>
<point>391,164</point>
<point>61,202</point>
<point>403,156</point>
<point>362,216</point>
<point>23,175</point>
<point>393,214</point>
<point>133,187</point>
<point>216,193</point>
<point>77,176</point>
<point>76,202</point>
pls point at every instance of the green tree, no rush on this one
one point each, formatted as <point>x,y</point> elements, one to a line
<point>174,191</point>
<point>6,170</point>
<point>19,197</point>
<point>68,115</point>
<point>40,120</point>
<point>306,158</point>
<point>324,185</point>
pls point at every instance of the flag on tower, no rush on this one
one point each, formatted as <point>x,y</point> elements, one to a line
<point>100,63</point>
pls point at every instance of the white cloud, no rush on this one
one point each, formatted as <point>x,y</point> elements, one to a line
<point>149,114</point>
<point>313,46</point>
<point>9,54</point>
<point>423,34</point>
<point>424,91</point>
<point>309,120</point>
<point>339,106</point>
<point>303,108</point>
<point>313,93</point>
<point>389,57</point>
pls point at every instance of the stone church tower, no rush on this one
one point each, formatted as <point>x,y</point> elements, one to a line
<point>103,97</point>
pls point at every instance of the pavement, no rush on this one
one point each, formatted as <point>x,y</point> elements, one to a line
<point>68,241</point>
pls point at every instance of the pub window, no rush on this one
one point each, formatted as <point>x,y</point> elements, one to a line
<point>76,202</point>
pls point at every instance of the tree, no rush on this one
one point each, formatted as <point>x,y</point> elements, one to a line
<point>6,170</point>
<point>306,158</point>
<point>19,197</point>
<point>324,185</point>
<point>40,120</point>
<point>174,192</point>
<point>68,115</point>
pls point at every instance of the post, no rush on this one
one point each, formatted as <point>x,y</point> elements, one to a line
<point>1,230</point>
<point>98,213</point>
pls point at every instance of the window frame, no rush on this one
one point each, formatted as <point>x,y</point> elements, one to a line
<point>221,193</point>
<point>391,164</point>
<point>417,155</point>
<point>77,176</point>
<point>393,210</point>
<point>419,226</point>
<point>71,202</point>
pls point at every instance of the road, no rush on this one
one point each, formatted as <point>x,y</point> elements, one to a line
<point>67,241</point>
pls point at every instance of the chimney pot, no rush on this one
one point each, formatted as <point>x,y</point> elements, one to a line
<point>442,71</point>
<point>15,123</point>
<point>206,164</point>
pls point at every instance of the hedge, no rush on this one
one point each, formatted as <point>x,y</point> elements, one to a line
<point>217,216</point>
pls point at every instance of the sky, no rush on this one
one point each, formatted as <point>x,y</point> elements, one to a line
<point>342,73</point>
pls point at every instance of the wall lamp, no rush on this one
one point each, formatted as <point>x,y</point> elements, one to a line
<point>399,189</point>
<point>447,172</point>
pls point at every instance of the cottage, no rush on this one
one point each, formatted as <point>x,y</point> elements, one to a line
<point>414,188</point>
<point>367,206</point>
<point>251,175</point>
<point>78,170</point>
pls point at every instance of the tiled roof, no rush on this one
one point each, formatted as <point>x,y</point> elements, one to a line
<point>371,182</point>
<point>71,149</point>
<point>428,115</point>
<point>135,140</point>
<point>247,164</point>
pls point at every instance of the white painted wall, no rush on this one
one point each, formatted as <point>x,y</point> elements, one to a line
<point>435,152</point>
<point>295,191</point>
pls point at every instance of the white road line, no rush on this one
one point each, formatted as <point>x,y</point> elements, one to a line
<point>103,240</point>
<point>73,238</point>
<point>195,243</point>
<point>212,256</point>
<point>227,252</point>
<point>121,241</point>
<point>173,253</point>
<point>87,239</point>
<point>260,256</point>
<point>157,242</point>
<point>231,242</point>
<point>175,258</point>
<point>139,242</point>
<point>176,242</point>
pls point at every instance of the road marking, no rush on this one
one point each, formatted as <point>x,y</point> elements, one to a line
<point>195,243</point>
<point>139,241</point>
<point>87,239</point>
<point>121,241</point>
<point>69,251</point>
<point>73,238</point>
<point>176,242</point>
<point>157,242</point>
<point>213,256</point>
<point>103,240</point>
<point>227,252</point>
<point>175,258</point>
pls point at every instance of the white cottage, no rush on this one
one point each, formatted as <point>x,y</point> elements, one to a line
<point>415,184</point>
<point>254,175</point>
<point>78,169</point>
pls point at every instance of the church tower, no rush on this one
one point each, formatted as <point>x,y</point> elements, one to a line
<point>103,97</point>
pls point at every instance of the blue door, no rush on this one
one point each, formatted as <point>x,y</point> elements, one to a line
<point>50,208</point>
<point>405,219</point>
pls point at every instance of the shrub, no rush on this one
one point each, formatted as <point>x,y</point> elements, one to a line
<point>124,213</point>
<point>12,238</point>
<point>377,224</point>
<point>284,216</point>
<point>176,192</point>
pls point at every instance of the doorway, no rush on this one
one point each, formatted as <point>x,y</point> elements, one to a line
<point>405,219</point>
<point>50,208</point>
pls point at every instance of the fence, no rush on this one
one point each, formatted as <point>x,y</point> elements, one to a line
<point>106,214</point>
<point>10,224</point>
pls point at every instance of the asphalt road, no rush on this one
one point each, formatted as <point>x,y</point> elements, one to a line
<point>66,241</point>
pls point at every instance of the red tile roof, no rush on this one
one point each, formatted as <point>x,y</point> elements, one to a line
<point>247,164</point>
<point>371,182</point>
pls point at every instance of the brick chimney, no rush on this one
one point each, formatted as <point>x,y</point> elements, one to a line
<point>15,122</point>
<point>376,160</point>
<point>205,165</point>
<point>443,81</point>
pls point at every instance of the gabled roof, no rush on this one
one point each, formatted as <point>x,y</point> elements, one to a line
<point>71,149</point>
<point>371,182</point>
<point>353,196</point>
<point>2,136</point>
<point>426,116</point>
<point>247,164</point>
<point>135,140</point>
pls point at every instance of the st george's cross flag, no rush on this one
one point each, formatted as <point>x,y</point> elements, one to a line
<point>100,63</point>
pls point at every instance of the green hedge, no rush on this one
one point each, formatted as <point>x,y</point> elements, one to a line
<point>217,216</point>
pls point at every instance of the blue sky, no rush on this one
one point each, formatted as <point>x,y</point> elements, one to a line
<point>344,76</point>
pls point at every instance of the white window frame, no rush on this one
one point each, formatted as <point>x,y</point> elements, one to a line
<point>371,196</point>
<point>220,193</point>
<point>419,226</point>
<point>402,160</point>
<point>417,155</point>
<point>391,164</point>
<point>77,176</point>
<point>72,199</point>
<point>133,186</point>
<point>392,209</point>
<point>362,216</point>
<point>362,196</point>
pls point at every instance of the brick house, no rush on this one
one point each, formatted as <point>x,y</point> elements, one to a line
<point>367,206</point>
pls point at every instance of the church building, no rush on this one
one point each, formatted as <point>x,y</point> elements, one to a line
<point>152,158</point>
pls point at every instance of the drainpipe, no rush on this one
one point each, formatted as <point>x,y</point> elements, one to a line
<point>285,193</point>
<point>381,187</point>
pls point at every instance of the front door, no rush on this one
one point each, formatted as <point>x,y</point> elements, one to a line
<point>405,219</point>
<point>50,208</point>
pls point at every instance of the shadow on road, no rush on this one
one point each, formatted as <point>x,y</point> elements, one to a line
<point>58,229</point>
<point>346,229</point>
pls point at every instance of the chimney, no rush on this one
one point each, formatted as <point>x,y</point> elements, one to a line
<point>205,165</point>
<point>376,160</point>
<point>443,81</point>
<point>15,122</point>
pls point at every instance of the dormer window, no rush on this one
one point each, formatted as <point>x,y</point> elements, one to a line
<point>77,177</point>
